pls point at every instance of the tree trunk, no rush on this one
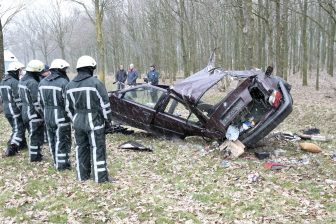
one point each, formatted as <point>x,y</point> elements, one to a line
<point>285,40</point>
<point>304,45</point>
<point>101,51</point>
<point>279,51</point>
<point>182,39</point>
<point>2,64</point>
<point>331,47</point>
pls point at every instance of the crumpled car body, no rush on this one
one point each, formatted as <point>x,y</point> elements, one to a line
<point>196,106</point>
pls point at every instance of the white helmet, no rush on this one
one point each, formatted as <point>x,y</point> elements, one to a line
<point>59,63</point>
<point>35,66</point>
<point>14,66</point>
<point>86,61</point>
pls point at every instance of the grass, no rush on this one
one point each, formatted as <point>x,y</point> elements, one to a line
<point>179,183</point>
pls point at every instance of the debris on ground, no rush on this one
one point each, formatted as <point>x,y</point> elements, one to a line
<point>110,129</point>
<point>304,160</point>
<point>310,147</point>
<point>333,156</point>
<point>235,148</point>
<point>274,166</point>
<point>286,136</point>
<point>320,138</point>
<point>262,154</point>
<point>311,131</point>
<point>253,177</point>
<point>132,145</point>
<point>225,164</point>
<point>232,133</point>
<point>330,182</point>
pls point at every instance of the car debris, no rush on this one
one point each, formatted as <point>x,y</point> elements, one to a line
<point>274,166</point>
<point>262,154</point>
<point>314,137</point>
<point>251,107</point>
<point>110,129</point>
<point>233,148</point>
<point>310,147</point>
<point>286,136</point>
<point>311,131</point>
<point>333,156</point>
<point>253,177</point>
<point>132,145</point>
<point>225,164</point>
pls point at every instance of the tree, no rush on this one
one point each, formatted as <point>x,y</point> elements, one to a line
<point>99,8</point>
<point>61,25</point>
<point>9,12</point>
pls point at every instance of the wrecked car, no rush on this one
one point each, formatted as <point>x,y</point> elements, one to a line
<point>204,105</point>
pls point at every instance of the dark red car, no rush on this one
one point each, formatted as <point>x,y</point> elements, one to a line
<point>204,104</point>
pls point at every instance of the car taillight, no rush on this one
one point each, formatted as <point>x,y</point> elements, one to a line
<point>275,98</point>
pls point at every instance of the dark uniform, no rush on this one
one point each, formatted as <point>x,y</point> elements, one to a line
<point>52,101</point>
<point>31,113</point>
<point>88,105</point>
<point>121,77</point>
<point>11,107</point>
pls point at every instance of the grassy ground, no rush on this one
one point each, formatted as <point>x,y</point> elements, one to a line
<point>180,182</point>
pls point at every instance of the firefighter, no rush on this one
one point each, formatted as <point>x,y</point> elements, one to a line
<point>87,104</point>
<point>31,112</point>
<point>11,106</point>
<point>51,97</point>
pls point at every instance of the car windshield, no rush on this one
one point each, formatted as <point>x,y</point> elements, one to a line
<point>211,98</point>
<point>145,95</point>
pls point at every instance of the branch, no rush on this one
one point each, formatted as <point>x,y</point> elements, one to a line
<point>86,9</point>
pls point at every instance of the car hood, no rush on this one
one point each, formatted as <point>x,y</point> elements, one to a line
<point>193,88</point>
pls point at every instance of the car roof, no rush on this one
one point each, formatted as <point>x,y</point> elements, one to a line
<point>194,87</point>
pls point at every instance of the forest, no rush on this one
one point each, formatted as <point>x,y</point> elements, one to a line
<point>295,36</point>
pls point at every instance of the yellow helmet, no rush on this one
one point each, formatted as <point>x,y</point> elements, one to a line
<point>86,61</point>
<point>35,66</point>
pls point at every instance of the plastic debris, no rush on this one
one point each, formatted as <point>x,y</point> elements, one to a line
<point>232,133</point>
<point>236,148</point>
<point>304,160</point>
<point>310,147</point>
<point>132,145</point>
<point>333,156</point>
<point>262,154</point>
<point>253,177</point>
<point>225,164</point>
<point>274,166</point>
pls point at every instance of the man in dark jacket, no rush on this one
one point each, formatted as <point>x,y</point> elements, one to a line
<point>132,76</point>
<point>120,77</point>
<point>88,105</point>
<point>153,76</point>
<point>52,101</point>
<point>153,79</point>
<point>11,107</point>
<point>31,111</point>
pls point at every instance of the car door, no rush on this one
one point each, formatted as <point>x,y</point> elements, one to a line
<point>136,106</point>
<point>176,119</point>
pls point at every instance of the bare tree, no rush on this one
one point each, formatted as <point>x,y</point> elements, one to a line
<point>10,12</point>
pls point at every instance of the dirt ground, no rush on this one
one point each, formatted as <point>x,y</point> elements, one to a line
<point>186,181</point>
